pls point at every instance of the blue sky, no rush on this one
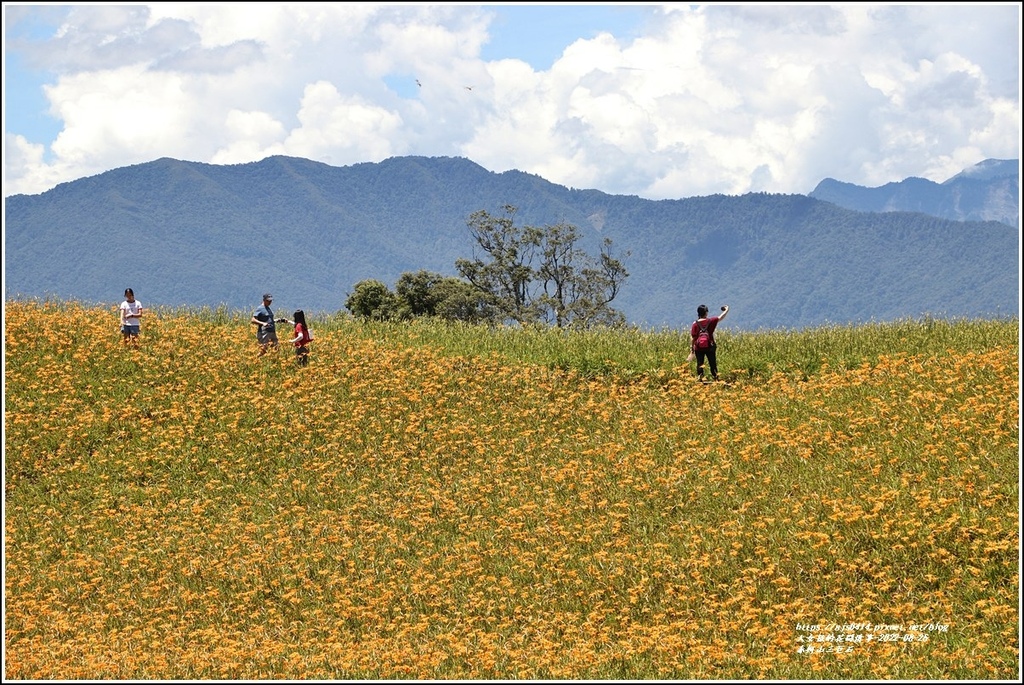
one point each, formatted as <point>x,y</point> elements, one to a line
<point>538,34</point>
<point>660,101</point>
<point>24,84</point>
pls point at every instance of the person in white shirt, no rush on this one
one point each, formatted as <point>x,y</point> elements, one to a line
<point>131,313</point>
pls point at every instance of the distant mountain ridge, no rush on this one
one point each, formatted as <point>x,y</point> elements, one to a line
<point>988,191</point>
<point>187,233</point>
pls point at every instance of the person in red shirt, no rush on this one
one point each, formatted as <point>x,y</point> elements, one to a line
<point>302,338</point>
<point>702,333</point>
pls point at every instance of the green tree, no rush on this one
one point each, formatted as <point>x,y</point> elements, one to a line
<point>508,274</point>
<point>418,293</point>
<point>540,275</point>
<point>424,293</point>
<point>372,299</point>
<point>461,301</point>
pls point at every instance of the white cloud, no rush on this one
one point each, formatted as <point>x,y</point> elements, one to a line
<point>122,114</point>
<point>704,99</point>
<point>341,130</point>
<point>24,169</point>
<point>252,136</point>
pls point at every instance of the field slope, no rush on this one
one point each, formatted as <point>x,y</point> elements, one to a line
<point>432,503</point>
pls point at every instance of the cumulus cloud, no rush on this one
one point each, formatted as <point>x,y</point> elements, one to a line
<point>21,160</point>
<point>250,136</point>
<point>341,129</point>
<point>700,100</point>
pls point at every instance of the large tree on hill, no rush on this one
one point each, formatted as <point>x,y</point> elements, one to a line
<point>540,275</point>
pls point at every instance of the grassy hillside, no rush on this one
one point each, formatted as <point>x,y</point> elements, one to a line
<point>438,503</point>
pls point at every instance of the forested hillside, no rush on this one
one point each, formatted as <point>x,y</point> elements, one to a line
<point>184,233</point>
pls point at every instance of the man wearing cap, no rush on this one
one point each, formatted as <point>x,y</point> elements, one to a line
<point>266,331</point>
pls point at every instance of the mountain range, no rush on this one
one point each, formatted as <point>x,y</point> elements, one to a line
<point>191,234</point>
<point>988,191</point>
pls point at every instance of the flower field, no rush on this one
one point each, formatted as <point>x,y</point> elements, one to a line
<point>410,507</point>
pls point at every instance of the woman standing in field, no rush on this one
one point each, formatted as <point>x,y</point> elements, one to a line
<point>302,338</point>
<point>131,313</point>
<point>702,333</point>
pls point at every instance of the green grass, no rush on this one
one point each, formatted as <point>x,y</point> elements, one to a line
<point>634,351</point>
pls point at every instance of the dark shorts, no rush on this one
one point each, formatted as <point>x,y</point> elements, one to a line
<point>264,337</point>
<point>130,329</point>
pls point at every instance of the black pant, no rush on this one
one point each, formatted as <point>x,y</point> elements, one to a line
<point>712,362</point>
<point>302,355</point>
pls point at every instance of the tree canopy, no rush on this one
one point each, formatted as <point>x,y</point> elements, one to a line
<point>540,274</point>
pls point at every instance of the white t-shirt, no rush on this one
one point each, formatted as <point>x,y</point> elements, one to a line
<point>130,312</point>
